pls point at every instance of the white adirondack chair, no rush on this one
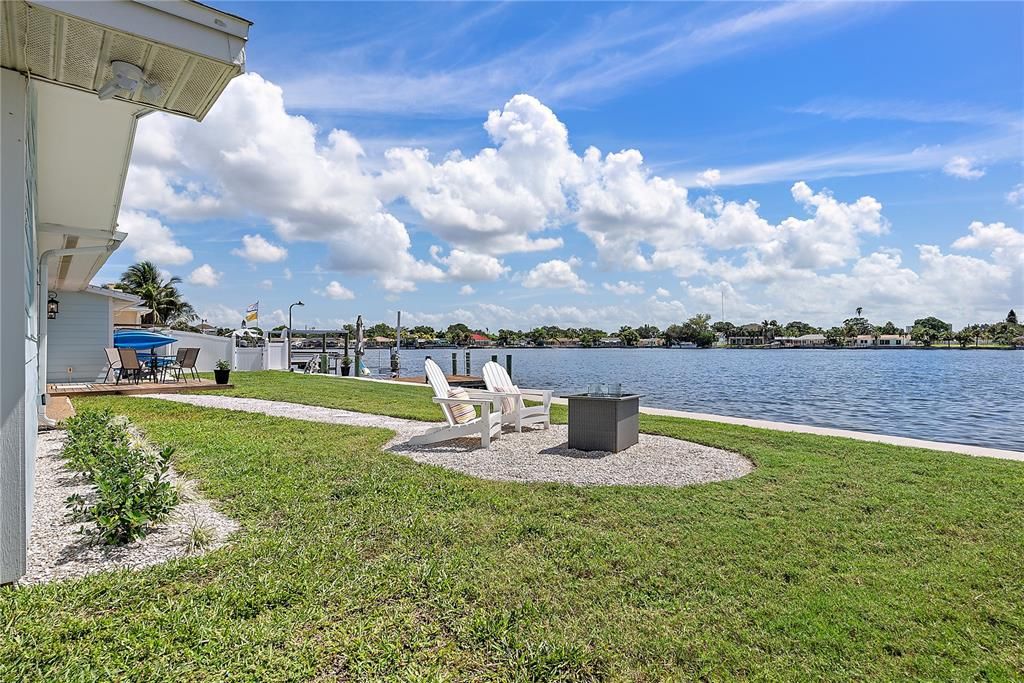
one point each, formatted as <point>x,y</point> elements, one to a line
<point>519,414</point>
<point>487,425</point>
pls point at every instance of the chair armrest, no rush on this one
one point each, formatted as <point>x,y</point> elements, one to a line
<point>544,395</point>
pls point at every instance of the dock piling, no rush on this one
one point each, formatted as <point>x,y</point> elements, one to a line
<point>455,363</point>
<point>508,364</point>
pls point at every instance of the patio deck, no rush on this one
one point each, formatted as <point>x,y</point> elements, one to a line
<point>101,389</point>
<point>467,381</point>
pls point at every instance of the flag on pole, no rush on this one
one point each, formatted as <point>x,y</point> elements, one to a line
<point>253,312</point>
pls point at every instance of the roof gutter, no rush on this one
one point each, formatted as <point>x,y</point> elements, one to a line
<point>41,298</point>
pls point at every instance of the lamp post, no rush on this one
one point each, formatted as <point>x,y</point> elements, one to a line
<point>289,342</point>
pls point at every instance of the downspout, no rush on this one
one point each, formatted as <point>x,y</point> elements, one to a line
<point>44,278</point>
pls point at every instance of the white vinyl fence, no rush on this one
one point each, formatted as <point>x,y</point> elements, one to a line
<point>211,348</point>
<point>249,359</point>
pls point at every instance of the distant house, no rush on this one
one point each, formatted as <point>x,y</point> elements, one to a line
<point>651,343</point>
<point>563,341</point>
<point>205,328</point>
<point>746,341</point>
<point>609,342</point>
<point>480,340</point>
<point>803,341</point>
<point>888,340</point>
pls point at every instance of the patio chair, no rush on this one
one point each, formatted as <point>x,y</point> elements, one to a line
<point>131,367</point>
<point>174,366</point>
<point>459,412</point>
<point>514,410</point>
<point>184,359</point>
<point>113,363</point>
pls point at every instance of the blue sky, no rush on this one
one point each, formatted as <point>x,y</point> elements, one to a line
<point>802,159</point>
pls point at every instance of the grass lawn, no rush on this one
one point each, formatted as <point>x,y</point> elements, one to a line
<point>835,559</point>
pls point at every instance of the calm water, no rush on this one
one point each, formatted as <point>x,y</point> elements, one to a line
<point>973,397</point>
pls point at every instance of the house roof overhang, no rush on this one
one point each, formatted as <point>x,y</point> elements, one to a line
<point>83,145</point>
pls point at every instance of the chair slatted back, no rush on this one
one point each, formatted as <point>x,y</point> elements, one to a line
<point>129,359</point>
<point>191,356</point>
<point>179,355</point>
<point>439,383</point>
<point>496,378</point>
<point>113,357</point>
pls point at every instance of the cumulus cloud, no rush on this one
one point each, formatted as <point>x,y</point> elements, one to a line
<point>709,177</point>
<point>1015,197</point>
<point>466,266</point>
<point>1004,243</point>
<point>555,274</point>
<point>256,249</point>
<point>205,276</point>
<point>662,292</point>
<point>466,290</point>
<point>963,167</point>
<point>622,287</point>
<point>335,290</point>
<point>151,240</point>
<point>267,284</point>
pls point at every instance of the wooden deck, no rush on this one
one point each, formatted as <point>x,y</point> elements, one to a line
<point>468,381</point>
<point>100,389</point>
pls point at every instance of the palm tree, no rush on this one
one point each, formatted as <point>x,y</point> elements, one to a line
<point>859,309</point>
<point>161,296</point>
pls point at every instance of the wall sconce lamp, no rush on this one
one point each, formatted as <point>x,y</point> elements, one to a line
<point>52,305</point>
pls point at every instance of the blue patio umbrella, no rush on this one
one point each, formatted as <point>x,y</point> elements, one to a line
<point>141,340</point>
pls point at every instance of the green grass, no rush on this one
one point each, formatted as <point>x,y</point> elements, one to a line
<point>835,559</point>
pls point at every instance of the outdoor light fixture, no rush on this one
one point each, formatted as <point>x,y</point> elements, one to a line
<point>52,305</point>
<point>289,350</point>
<point>127,79</point>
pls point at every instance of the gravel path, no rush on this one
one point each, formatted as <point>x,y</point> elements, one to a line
<point>56,549</point>
<point>534,456</point>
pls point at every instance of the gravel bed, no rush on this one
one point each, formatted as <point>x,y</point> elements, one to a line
<point>56,549</point>
<point>535,455</point>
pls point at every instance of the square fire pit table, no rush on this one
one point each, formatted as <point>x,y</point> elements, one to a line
<point>600,422</point>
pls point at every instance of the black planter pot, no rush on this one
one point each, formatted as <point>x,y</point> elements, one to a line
<point>345,370</point>
<point>221,376</point>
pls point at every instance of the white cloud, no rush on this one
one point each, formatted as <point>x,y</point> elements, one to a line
<point>287,274</point>
<point>466,290</point>
<point>1005,244</point>
<point>256,249</point>
<point>335,290</point>
<point>151,240</point>
<point>962,167</point>
<point>555,274</point>
<point>205,276</point>
<point>267,284</point>
<point>1015,197</point>
<point>708,177</point>
<point>662,292</point>
<point>622,287</point>
<point>466,266</point>
<point>221,315</point>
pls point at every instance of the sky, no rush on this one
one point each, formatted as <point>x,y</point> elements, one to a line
<point>523,164</point>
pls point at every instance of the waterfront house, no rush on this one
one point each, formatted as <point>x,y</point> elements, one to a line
<point>746,341</point>
<point>611,342</point>
<point>651,343</point>
<point>74,80</point>
<point>803,341</point>
<point>882,340</point>
<point>480,340</point>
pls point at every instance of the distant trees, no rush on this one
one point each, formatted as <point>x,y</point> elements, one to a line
<point>1011,317</point>
<point>929,330</point>
<point>797,328</point>
<point>696,330</point>
<point>835,335</point>
<point>380,330</point>
<point>648,332</point>
<point>768,329</point>
<point>725,328</point>
<point>458,334</point>
<point>423,332</point>
<point>166,304</point>
<point>858,325</point>
<point>628,336</point>
<point>889,328</point>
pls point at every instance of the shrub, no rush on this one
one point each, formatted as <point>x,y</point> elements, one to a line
<point>132,491</point>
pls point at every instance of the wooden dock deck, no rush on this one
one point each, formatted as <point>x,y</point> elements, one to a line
<point>74,389</point>
<point>467,381</point>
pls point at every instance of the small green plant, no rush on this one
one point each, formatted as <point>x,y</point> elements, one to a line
<point>200,536</point>
<point>346,361</point>
<point>132,491</point>
<point>222,365</point>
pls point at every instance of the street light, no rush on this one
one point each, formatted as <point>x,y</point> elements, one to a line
<point>297,303</point>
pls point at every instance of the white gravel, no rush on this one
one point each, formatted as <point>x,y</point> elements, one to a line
<point>56,549</point>
<point>535,455</point>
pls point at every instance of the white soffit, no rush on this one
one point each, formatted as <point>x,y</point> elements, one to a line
<point>190,50</point>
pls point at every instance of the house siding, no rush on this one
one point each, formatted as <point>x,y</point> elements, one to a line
<point>77,336</point>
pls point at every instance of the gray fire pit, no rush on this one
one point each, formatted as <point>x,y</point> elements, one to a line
<point>604,423</point>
